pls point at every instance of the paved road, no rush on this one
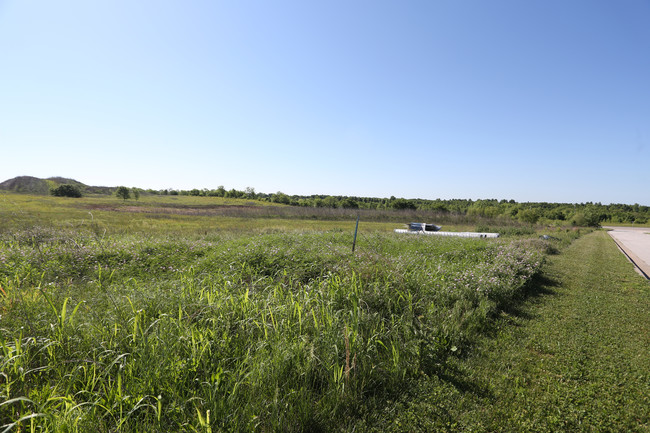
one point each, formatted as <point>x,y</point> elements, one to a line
<point>635,241</point>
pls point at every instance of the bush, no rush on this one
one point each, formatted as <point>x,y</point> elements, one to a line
<point>348,203</point>
<point>66,190</point>
<point>529,216</point>
<point>123,192</point>
<point>401,203</point>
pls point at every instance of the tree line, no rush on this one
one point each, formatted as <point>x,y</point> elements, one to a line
<point>579,214</point>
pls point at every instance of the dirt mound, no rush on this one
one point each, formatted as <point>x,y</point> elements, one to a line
<point>35,185</point>
<point>26,185</point>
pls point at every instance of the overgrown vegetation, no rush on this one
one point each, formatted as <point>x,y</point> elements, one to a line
<point>271,332</point>
<point>137,317</point>
<point>508,211</point>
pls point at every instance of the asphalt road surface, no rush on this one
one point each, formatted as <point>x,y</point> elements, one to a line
<point>635,242</point>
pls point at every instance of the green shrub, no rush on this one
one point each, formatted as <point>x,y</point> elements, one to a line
<point>123,192</point>
<point>66,190</point>
<point>401,203</point>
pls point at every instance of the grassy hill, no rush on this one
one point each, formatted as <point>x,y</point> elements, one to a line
<point>27,185</point>
<point>35,185</point>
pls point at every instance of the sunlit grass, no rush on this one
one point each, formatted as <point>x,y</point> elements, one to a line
<point>573,357</point>
<point>162,215</point>
<point>188,215</point>
<point>276,332</point>
<point>173,316</point>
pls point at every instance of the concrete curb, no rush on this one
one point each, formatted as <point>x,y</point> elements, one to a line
<point>639,264</point>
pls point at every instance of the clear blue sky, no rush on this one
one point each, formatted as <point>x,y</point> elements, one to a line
<point>525,100</point>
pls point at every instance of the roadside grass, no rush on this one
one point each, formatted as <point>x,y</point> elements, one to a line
<point>575,356</point>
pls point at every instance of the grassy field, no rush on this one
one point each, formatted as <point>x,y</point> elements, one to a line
<point>168,215</point>
<point>188,215</point>
<point>119,319</point>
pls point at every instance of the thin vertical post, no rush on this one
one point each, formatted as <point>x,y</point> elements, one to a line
<point>354,242</point>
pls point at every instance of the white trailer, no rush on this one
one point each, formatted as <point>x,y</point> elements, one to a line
<point>454,234</point>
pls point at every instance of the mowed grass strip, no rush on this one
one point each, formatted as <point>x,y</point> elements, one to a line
<point>575,357</point>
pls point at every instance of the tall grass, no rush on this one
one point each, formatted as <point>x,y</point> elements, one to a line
<point>275,332</point>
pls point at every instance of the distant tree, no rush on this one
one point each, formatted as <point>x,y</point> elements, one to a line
<point>555,214</point>
<point>528,215</point>
<point>401,203</point>
<point>234,193</point>
<point>330,201</point>
<point>66,190</point>
<point>136,193</point>
<point>250,192</point>
<point>348,203</point>
<point>123,193</point>
<point>304,202</point>
<point>592,216</point>
<point>440,207</point>
<point>280,197</point>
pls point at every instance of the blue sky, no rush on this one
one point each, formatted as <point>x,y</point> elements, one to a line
<point>525,100</point>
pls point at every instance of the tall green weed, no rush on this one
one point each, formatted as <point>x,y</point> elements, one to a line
<point>277,332</point>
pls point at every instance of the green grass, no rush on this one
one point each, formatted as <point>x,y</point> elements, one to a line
<point>187,215</point>
<point>180,330</point>
<point>167,215</point>
<point>115,319</point>
<point>574,357</point>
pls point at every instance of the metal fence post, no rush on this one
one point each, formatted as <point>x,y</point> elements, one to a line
<point>354,242</point>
